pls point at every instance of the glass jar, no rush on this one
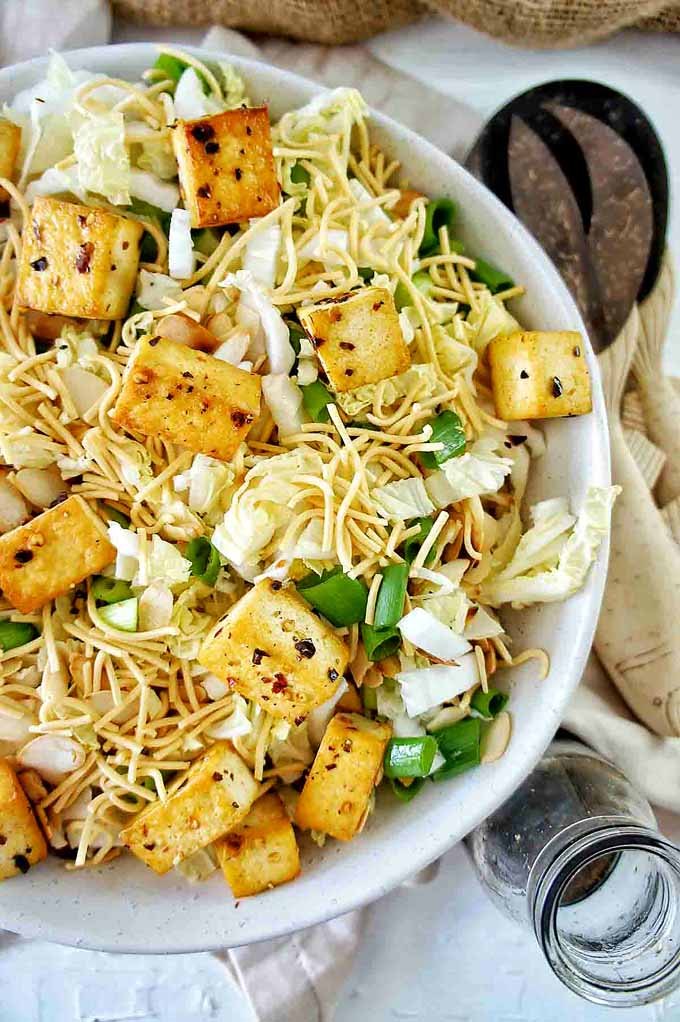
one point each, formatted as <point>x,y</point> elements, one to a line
<point>576,855</point>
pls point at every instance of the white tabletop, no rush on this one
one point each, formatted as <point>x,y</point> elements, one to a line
<point>439,952</point>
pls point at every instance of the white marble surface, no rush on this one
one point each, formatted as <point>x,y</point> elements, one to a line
<point>439,952</point>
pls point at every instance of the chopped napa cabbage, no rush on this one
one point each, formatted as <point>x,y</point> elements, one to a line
<point>326,251</point>
<point>152,288</point>
<point>328,113</point>
<point>153,152</point>
<point>407,325</point>
<point>283,398</point>
<point>542,544</point>
<point>25,450</point>
<point>262,319</point>
<point>75,347</point>
<point>483,625</point>
<point>423,688</point>
<point>233,87</point>
<point>144,564</point>
<point>208,482</point>
<point>262,253</point>
<point>309,546</point>
<point>150,188</point>
<point>190,100</point>
<point>191,620</point>
<point>199,865</point>
<point>547,583</point>
<point>422,376</point>
<point>451,609</point>
<point>480,470</point>
<point>57,182</point>
<point>403,499</point>
<point>368,212</point>
<point>236,725</point>
<point>452,344</point>
<point>102,157</point>
<point>488,319</point>
<point>181,255</point>
<point>427,633</point>
<point>294,748</point>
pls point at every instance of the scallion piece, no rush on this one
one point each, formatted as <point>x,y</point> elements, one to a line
<point>496,280</point>
<point>173,68</point>
<point>489,704</point>
<point>438,213</point>
<point>16,633</point>
<point>459,745</point>
<point>338,597</point>
<point>206,240</point>
<point>447,429</point>
<point>114,515</point>
<point>123,616</point>
<point>409,757</point>
<point>315,397</point>
<point>421,280</point>
<point>110,590</point>
<point>295,335</point>
<point>366,273</point>
<point>413,544</point>
<point>389,606</point>
<point>135,308</point>
<point>205,560</point>
<point>369,698</point>
<point>404,792</point>
<point>299,175</point>
<point>380,642</point>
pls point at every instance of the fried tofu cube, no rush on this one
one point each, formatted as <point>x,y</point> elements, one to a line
<point>539,375</point>
<point>226,166</point>
<point>271,648</point>
<point>78,261</point>
<point>21,840</point>
<point>52,553</point>
<point>217,796</point>
<point>348,765</point>
<point>185,396</point>
<point>357,338</point>
<point>10,143</point>
<point>262,851</point>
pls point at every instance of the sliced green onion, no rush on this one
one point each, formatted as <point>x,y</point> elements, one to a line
<point>489,704</point>
<point>409,757</point>
<point>402,296</point>
<point>110,590</point>
<point>114,515</point>
<point>438,213</point>
<point>459,745</point>
<point>16,633</point>
<point>295,335</point>
<point>173,68</point>
<point>495,279</point>
<point>315,397</point>
<point>299,175</point>
<point>338,597</point>
<point>205,560</point>
<point>389,606</point>
<point>380,642</point>
<point>447,429</point>
<point>404,792</point>
<point>123,616</point>
<point>356,424</point>
<point>369,697</point>
<point>206,240</point>
<point>134,308</point>
<point>366,273</point>
<point>457,246</point>
<point>413,544</point>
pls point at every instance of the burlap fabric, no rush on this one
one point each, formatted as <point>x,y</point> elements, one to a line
<point>534,23</point>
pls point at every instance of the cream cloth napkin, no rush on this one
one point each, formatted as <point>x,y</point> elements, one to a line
<point>298,979</point>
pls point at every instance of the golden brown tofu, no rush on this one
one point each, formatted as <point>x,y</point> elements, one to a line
<point>10,143</point>
<point>271,648</point>
<point>50,554</point>
<point>357,338</point>
<point>226,166</point>
<point>185,396</point>
<point>347,767</point>
<point>21,840</point>
<point>262,851</point>
<point>217,795</point>
<point>539,375</point>
<point>78,261</point>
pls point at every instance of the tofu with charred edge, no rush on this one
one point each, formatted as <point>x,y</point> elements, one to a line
<point>21,840</point>
<point>185,396</point>
<point>270,647</point>
<point>216,796</point>
<point>52,553</point>
<point>10,143</point>
<point>262,851</point>
<point>226,166</point>
<point>347,767</point>
<point>539,375</point>
<point>357,337</point>
<point>78,261</point>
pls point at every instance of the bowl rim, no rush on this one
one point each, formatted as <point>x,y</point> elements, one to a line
<point>394,871</point>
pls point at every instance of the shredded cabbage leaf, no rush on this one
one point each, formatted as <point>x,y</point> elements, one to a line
<point>422,376</point>
<point>480,470</point>
<point>102,157</point>
<point>403,499</point>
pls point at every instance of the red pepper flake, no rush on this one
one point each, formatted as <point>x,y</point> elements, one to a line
<point>377,305</point>
<point>347,745</point>
<point>280,683</point>
<point>347,345</point>
<point>331,766</point>
<point>299,720</point>
<point>84,257</point>
<point>240,419</point>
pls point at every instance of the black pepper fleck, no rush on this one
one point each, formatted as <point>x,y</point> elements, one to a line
<point>524,375</point>
<point>21,862</point>
<point>23,556</point>
<point>257,656</point>
<point>238,173</point>
<point>39,264</point>
<point>306,648</point>
<point>577,352</point>
<point>212,147</point>
<point>557,389</point>
<point>217,776</point>
<point>332,674</point>
<point>203,132</point>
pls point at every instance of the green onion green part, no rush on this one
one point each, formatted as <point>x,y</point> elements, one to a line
<point>114,515</point>
<point>389,605</point>
<point>366,273</point>
<point>438,213</point>
<point>16,633</point>
<point>405,793</point>
<point>489,704</point>
<point>134,308</point>
<point>409,757</point>
<point>447,429</point>
<point>342,600</point>
<point>295,335</point>
<point>110,590</point>
<point>380,642</point>
<point>410,548</point>
<point>369,698</point>
<point>421,280</point>
<point>299,175</point>
<point>124,615</point>
<point>205,560</point>
<point>315,397</point>
<point>495,279</point>
<point>173,68</point>
<point>459,745</point>
<point>206,240</point>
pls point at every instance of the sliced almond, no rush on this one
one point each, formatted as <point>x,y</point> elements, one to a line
<point>496,738</point>
<point>185,330</point>
<point>53,756</point>
<point>42,487</point>
<point>13,508</point>
<point>48,327</point>
<point>85,388</point>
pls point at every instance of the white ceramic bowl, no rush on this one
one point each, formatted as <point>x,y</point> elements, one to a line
<point>126,907</point>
